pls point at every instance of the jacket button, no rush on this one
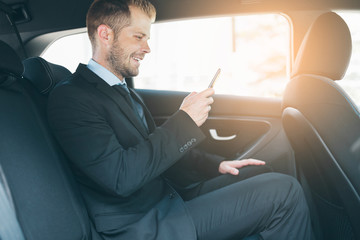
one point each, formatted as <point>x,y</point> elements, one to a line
<point>172,195</point>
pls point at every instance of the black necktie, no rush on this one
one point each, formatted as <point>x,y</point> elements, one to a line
<point>138,109</point>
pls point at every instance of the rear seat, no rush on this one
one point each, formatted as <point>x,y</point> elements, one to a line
<point>45,195</point>
<point>42,77</point>
<point>9,225</point>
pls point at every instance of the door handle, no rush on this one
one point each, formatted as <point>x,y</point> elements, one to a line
<point>214,135</point>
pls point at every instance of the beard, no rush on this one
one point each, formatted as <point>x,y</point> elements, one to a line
<point>119,62</point>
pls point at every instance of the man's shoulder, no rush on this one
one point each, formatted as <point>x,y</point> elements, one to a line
<point>71,81</point>
<point>72,89</point>
<point>74,82</point>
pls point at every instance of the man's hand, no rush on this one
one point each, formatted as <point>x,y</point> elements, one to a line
<point>231,167</point>
<point>197,105</point>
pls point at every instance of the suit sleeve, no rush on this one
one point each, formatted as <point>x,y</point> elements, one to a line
<point>92,146</point>
<point>194,167</point>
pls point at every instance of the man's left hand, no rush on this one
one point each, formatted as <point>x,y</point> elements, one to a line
<point>232,166</point>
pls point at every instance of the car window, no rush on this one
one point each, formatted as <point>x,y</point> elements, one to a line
<point>69,51</point>
<point>252,52</point>
<point>351,81</point>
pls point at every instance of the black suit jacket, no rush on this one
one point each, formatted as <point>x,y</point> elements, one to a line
<point>120,166</point>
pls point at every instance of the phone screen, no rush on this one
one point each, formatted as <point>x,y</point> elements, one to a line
<point>216,76</point>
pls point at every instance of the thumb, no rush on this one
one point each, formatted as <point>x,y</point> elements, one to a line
<point>231,170</point>
<point>191,94</point>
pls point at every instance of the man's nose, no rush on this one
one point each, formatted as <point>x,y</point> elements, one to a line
<point>146,47</point>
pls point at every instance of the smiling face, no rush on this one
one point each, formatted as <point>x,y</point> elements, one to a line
<point>130,45</point>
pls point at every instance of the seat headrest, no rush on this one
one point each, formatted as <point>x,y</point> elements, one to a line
<point>44,75</point>
<point>325,49</point>
<point>10,62</point>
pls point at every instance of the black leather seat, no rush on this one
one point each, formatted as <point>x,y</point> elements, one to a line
<point>10,227</point>
<point>44,75</point>
<point>41,77</point>
<point>45,195</point>
<point>323,126</point>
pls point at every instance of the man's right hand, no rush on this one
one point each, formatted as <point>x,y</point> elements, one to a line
<point>198,105</point>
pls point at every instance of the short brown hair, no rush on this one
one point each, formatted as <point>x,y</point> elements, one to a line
<point>115,14</point>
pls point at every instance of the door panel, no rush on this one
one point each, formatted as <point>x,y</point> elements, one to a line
<point>237,128</point>
<point>235,136</point>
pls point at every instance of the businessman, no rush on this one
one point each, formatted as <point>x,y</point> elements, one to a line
<point>145,182</point>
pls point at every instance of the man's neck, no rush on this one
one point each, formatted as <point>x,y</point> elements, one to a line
<point>104,73</point>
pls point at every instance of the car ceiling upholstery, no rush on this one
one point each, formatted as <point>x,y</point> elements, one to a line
<point>51,15</point>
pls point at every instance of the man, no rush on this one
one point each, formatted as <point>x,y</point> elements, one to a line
<point>127,168</point>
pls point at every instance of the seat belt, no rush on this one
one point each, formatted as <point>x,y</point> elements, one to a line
<point>9,225</point>
<point>9,12</point>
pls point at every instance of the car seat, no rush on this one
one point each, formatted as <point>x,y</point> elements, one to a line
<point>323,126</point>
<point>45,194</point>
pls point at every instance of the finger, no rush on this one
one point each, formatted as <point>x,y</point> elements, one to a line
<point>233,171</point>
<point>210,100</point>
<point>246,162</point>
<point>255,161</point>
<point>206,111</point>
<point>225,168</point>
<point>207,92</point>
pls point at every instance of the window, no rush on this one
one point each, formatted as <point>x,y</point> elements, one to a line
<point>69,51</point>
<point>351,81</point>
<point>252,51</point>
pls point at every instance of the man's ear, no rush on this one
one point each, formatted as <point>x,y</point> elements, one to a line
<point>105,34</point>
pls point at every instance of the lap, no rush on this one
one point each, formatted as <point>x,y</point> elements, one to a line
<point>223,180</point>
<point>239,209</point>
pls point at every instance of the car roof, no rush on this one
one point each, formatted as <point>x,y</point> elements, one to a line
<point>46,16</point>
<point>52,15</point>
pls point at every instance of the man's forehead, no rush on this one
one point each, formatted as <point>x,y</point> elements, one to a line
<point>140,22</point>
<point>136,12</point>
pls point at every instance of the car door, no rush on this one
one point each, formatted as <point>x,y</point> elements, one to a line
<point>237,128</point>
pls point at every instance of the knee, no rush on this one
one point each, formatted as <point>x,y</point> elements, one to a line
<point>282,180</point>
<point>286,187</point>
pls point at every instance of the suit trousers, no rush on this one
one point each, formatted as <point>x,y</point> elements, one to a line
<point>271,205</point>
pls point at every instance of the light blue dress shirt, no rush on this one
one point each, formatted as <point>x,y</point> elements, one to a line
<point>105,74</point>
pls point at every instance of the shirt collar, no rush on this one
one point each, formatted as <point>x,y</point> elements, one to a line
<point>105,74</point>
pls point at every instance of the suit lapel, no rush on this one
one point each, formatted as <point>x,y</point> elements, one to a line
<point>120,101</point>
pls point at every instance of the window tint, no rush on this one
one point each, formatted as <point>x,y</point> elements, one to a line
<point>351,81</point>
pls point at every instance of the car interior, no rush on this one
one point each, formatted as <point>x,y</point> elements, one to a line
<point>311,132</point>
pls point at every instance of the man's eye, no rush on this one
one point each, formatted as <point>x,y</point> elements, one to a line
<point>138,37</point>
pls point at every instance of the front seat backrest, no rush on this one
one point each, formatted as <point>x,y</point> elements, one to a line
<point>326,48</point>
<point>323,126</point>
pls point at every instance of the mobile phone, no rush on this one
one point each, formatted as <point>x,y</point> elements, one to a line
<point>216,76</point>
